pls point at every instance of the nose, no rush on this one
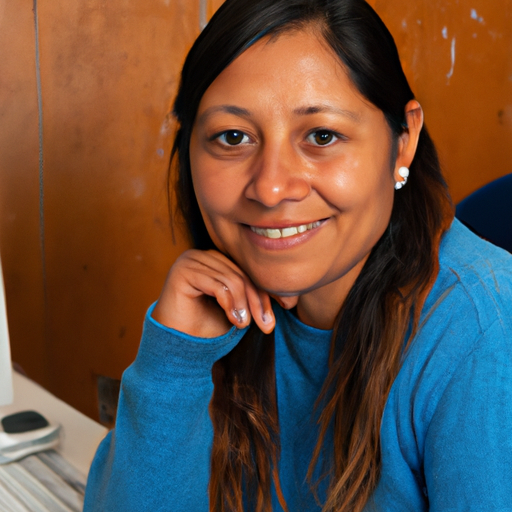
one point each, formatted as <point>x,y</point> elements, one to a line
<point>278,175</point>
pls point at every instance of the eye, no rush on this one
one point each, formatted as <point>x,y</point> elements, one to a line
<point>233,138</point>
<point>322,137</point>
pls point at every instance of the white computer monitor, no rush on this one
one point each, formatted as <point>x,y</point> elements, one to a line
<point>6,393</point>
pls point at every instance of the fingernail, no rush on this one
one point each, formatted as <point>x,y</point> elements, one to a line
<point>240,315</point>
<point>267,318</point>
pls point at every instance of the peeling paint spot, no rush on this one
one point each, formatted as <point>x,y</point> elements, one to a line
<point>450,73</point>
<point>203,14</point>
<point>445,32</point>
<point>165,128</point>
<point>160,152</point>
<point>505,116</point>
<point>475,35</point>
<point>138,187</point>
<point>404,23</point>
<point>474,16</point>
<point>419,22</point>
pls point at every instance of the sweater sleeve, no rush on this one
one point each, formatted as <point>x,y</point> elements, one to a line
<point>468,447</point>
<point>158,456</point>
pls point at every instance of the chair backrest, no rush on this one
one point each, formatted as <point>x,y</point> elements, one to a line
<point>488,212</point>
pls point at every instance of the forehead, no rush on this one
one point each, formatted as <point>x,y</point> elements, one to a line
<point>293,69</point>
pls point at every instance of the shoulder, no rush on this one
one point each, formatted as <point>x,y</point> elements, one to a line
<point>474,282</point>
<point>466,322</point>
<point>465,351</point>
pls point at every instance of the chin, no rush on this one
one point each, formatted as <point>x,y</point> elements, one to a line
<point>280,286</point>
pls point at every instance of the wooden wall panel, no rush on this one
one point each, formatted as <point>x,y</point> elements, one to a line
<point>110,71</point>
<point>19,187</point>
<point>109,74</point>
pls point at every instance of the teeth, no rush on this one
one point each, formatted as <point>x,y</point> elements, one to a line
<point>273,233</point>
<point>286,232</point>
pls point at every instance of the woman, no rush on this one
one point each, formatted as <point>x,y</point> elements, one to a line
<point>380,377</point>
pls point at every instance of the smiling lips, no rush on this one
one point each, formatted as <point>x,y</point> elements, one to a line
<point>285,232</point>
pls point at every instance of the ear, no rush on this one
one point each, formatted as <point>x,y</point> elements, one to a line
<point>408,140</point>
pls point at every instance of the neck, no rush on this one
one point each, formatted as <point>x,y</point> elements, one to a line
<point>320,307</point>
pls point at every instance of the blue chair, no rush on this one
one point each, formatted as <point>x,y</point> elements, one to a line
<point>488,212</point>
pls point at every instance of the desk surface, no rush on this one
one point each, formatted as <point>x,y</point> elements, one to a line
<point>80,435</point>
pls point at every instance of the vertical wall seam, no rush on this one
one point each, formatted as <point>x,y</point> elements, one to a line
<point>41,155</point>
<point>203,13</point>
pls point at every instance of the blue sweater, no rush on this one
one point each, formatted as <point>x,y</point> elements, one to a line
<point>446,432</point>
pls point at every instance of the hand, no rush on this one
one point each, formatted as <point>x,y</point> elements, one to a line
<point>286,302</point>
<point>206,293</point>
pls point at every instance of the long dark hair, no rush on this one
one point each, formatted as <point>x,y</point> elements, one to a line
<point>382,306</point>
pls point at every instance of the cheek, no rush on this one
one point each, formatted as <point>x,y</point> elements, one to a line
<point>210,204</point>
<point>379,203</point>
<point>217,198</point>
<point>380,196</point>
<point>356,183</point>
<point>216,194</point>
<point>204,179</point>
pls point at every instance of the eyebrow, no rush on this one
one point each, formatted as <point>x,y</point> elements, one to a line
<point>319,109</point>
<point>227,109</point>
<point>301,111</point>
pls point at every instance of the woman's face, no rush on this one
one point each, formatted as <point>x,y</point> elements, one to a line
<point>292,167</point>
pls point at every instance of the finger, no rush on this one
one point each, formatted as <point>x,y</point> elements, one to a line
<point>260,308</point>
<point>217,262</point>
<point>199,299</point>
<point>286,302</point>
<point>258,300</point>
<point>228,290</point>
<point>197,305</point>
<point>217,257</point>
<point>269,320</point>
<point>237,312</point>
<point>247,301</point>
<point>290,302</point>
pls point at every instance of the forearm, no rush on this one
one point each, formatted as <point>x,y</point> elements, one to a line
<point>159,452</point>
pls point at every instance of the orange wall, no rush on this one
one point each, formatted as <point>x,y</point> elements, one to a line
<point>80,276</point>
<point>85,236</point>
<point>467,98</point>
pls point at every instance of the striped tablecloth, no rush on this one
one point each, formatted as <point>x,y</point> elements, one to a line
<point>44,482</point>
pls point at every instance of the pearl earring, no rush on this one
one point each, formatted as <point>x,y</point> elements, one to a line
<point>404,173</point>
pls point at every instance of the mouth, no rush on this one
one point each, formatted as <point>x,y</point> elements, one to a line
<point>287,232</point>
